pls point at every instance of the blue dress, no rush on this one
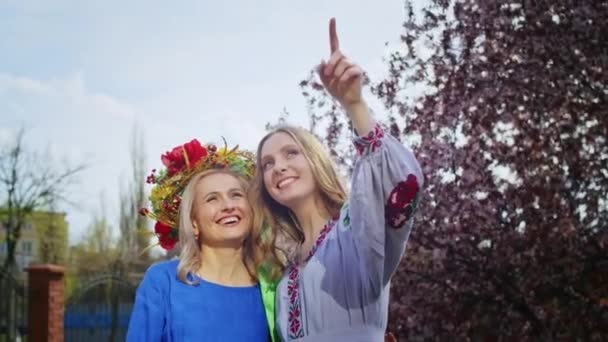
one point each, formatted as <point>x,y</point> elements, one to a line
<point>168,310</point>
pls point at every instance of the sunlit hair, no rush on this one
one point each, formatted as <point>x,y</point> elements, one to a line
<point>190,254</point>
<point>284,238</point>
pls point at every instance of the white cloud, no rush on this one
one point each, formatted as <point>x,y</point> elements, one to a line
<point>69,124</point>
<point>81,79</point>
<point>70,92</point>
<point>11,82</point>
<point>7,136</point>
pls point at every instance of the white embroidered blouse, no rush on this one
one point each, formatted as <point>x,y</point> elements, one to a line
<point>341,292</point>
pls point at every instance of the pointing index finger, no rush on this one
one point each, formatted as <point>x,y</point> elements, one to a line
<point>334,44</point>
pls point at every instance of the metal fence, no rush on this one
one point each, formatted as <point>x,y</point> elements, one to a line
<point>13,308</point>
<point>99,310</point>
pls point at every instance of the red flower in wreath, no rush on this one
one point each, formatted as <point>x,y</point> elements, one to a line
<point>167,241</point>
<point>162,229</point>
<point>167,236</point>
<point>175,160</point>
<point>402,202</point>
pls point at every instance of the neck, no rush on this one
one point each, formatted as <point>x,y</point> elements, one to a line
<point>223,265</point>
<point>312,216</point>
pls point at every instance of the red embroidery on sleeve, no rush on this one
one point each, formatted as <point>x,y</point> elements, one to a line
<point>402,202</point>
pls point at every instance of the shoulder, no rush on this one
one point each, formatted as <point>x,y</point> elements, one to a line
<point>161,272</point>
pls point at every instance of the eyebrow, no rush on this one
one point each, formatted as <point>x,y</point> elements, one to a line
<point>217,192</point>
<point>288,146</point>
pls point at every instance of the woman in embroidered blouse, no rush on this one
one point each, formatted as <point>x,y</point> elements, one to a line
<point>340,252</point>
<point>212,293</point>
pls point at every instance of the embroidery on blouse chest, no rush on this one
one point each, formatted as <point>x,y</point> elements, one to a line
<point>294,319</point>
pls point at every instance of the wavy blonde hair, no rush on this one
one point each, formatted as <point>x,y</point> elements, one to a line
<point>190,253</point>
<point>283,237</point>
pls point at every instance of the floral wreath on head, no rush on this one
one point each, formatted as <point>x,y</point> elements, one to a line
<point>181,164</point>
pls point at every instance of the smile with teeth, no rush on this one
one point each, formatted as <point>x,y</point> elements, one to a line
<point>229,220</point>
<point>285,182</point>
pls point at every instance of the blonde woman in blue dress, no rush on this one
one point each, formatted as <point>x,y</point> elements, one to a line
<point>335,253</point>
<point>216,290</point>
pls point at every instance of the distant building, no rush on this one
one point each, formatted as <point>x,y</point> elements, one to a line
<point>44,238</point>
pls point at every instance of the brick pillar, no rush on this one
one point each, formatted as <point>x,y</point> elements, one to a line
<point>45,303</point>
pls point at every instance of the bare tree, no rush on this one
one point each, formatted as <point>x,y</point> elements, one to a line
<point>53,248</point>
<point>135,236</point>
<point>28,182</point>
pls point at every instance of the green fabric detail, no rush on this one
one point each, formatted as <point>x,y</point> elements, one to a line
<point>346,220</point>
<point>269,289</point>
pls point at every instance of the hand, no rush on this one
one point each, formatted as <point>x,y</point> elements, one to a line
<point>340,76</point>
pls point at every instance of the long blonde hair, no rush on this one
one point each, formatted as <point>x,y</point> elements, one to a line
<point>190,254</point>
<point>283,234</point>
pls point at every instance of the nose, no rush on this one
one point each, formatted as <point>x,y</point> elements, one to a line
<point>228,205</point>
<point>279,166</point>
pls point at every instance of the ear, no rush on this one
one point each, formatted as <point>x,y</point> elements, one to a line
<point>194,228</point>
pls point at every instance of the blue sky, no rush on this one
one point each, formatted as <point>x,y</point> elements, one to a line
<point>80,74</point>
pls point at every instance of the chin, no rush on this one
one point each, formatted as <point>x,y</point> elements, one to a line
<point>292,197</point>
<point>236,233</point>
